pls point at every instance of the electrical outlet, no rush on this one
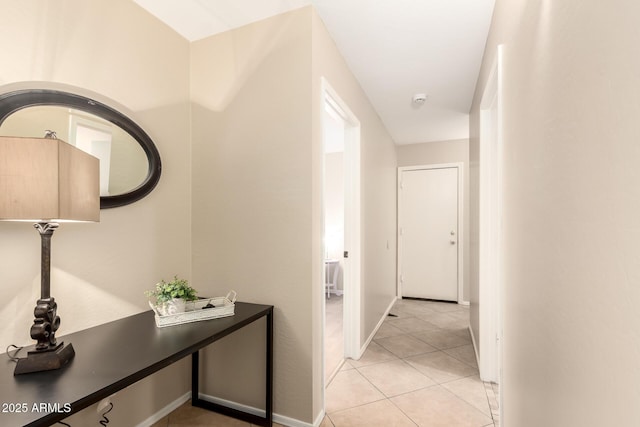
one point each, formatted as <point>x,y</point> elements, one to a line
<point>104,404</point>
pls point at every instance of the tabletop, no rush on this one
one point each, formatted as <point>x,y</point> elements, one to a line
<point>109,357</point>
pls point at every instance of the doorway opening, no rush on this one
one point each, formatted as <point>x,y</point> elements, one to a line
<point>341,232</point>
<point>333,193</point>
<point>94,138</point>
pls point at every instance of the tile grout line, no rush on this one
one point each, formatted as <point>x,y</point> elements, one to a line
<point>436,383</point>
<point>404,413</point>
<point>459,359</point>
<point>387,398</point>
<point>452,314</point>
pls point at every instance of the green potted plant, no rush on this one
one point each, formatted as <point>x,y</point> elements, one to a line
<point>171,297</point>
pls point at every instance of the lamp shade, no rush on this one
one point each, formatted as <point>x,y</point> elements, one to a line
<point>45,179</point>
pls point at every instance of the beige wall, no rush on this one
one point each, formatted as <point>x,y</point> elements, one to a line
<point>252,198</point>
<point>439,152</point>
<point>571,130</point>
<point>120,55</point>
<point>435,152</point>
<point>257,175</point>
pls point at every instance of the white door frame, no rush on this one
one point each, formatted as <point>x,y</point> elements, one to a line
<point>461,232</point>
<point>490,263</point>
<point>352,235</point>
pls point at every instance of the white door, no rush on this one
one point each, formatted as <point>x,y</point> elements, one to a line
<point>428,233</point>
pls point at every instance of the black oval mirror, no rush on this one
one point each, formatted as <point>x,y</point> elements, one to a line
<point>130,161</point>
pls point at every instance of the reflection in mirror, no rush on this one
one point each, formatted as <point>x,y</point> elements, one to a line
<point>123,163</point>
<point>130,165</point>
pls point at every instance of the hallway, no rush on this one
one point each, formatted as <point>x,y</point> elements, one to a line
<point>420,370</point>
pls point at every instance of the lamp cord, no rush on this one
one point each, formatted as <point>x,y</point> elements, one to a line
<point>13,357</point>
<point>105,420</point>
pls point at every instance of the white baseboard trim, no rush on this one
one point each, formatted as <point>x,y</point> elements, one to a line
<point>335,372</point>
<point>375,330</point>
<point>280,419</point>
<point>165,411</point>
<point>319,418</point>
<point>475,346</point>
<point>481,370</point>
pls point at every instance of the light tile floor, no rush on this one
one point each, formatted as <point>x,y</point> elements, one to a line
<point>419,370</point>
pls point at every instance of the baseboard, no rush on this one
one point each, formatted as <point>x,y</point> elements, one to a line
<point>375,330</point>
<point>335,372</point>
<point>319,419</point>
<point>280,419</point>
<point>165,411</point>
<point>475,347</point>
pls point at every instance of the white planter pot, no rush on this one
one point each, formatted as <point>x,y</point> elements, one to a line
<point>176,305</point>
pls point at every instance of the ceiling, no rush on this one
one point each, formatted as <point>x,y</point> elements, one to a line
<point>395,48</point>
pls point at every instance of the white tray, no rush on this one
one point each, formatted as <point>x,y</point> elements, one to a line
<point>195,311</point>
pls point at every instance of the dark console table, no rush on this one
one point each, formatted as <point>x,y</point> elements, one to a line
<point>115,355</point>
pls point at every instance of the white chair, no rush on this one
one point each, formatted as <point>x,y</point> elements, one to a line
<point>332,267</point>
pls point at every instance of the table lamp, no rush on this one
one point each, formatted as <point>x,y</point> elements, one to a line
<point>47,181</point>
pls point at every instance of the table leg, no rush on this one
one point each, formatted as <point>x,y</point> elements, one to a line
<point>195,377</point>
<point>269,358</point>
<point>267,420</point>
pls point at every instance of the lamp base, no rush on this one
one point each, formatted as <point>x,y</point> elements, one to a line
<point>45,360</point>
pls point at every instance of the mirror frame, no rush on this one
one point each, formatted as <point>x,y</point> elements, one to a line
<point>12,102</point>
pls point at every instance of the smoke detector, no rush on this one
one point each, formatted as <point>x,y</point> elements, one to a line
<point>419,98</point>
